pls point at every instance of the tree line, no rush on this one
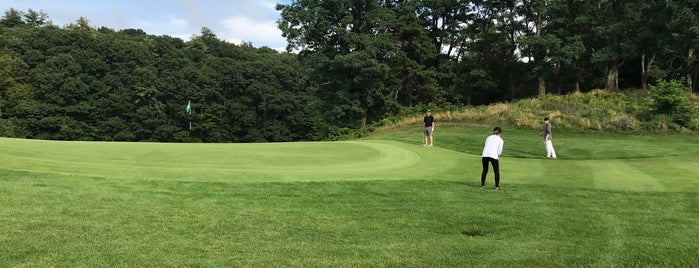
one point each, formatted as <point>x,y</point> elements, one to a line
<point>404,52</point>
<point>349,63</point>
<point>78,82</point>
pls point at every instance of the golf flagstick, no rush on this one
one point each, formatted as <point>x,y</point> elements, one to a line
<point>188,110</point>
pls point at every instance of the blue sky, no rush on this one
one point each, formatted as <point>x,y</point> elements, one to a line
<point>233,20</point>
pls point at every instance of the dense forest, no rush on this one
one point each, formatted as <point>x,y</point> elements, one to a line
<point>349,63</point>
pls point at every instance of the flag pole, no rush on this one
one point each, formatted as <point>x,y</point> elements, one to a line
<point>188,110</point>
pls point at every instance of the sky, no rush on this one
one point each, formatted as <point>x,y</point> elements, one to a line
<point>235,21</point>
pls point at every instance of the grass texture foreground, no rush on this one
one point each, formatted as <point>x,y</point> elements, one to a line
<point>609,200</point>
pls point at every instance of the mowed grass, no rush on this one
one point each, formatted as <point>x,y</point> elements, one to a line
<point>609,200</point>
<point>213,162</point>
<point>605,161</point>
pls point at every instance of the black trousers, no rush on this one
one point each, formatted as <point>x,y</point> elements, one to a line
<point>496,169</point>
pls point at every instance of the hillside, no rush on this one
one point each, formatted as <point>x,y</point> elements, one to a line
<point>596,110</point>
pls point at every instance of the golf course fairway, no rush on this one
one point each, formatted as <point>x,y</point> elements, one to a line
<point>385,200</point>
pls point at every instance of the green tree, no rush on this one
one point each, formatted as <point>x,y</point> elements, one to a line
<point>684,26</point>
<point>12,18</point>
<point>568,25</point>
<point>672,98</point>
<point>537,42</point>
<point>14,90</point>
<point>413,77</point>
<point>614,36</point>
<point>353,41</point>
<point>36,18</point>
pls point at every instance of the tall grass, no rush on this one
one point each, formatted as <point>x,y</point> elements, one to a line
<point>596,110</point>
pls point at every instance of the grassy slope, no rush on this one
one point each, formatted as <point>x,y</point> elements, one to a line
<point>383,201</point>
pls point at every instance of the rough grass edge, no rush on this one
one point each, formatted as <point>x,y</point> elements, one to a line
<point>596,110</point>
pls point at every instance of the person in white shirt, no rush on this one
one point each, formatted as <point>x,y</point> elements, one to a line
<point>491,153</point>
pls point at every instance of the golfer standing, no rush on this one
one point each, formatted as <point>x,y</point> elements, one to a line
<point>491,153</point>
<point>550,152</point>
<point>429,127</point>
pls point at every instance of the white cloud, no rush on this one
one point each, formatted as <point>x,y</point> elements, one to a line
<point>271,5</point>
<point>234,21</point>
<point>238,29</point>
<point>169,24</point>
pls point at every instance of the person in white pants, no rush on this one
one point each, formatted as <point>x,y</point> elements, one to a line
<point>550,152</point>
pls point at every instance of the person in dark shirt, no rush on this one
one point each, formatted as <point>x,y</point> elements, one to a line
<point>429,128</point>
<point>550,152</point>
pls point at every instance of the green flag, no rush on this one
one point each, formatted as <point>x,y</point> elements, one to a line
<point>189,107</point>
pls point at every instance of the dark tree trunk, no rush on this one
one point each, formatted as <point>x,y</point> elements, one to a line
<point>542,87</point>
<point>645,69</point>
<point>612,77</point>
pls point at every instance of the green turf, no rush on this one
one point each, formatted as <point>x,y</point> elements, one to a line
<point>352,160</point>
<point>609,200</point>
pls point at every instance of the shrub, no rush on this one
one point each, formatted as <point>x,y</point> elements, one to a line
<point>672,98</point>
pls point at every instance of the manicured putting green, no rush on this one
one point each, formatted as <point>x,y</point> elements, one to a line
<point>209,162</point>
<point>597,160</point>
<point>456,159</point>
